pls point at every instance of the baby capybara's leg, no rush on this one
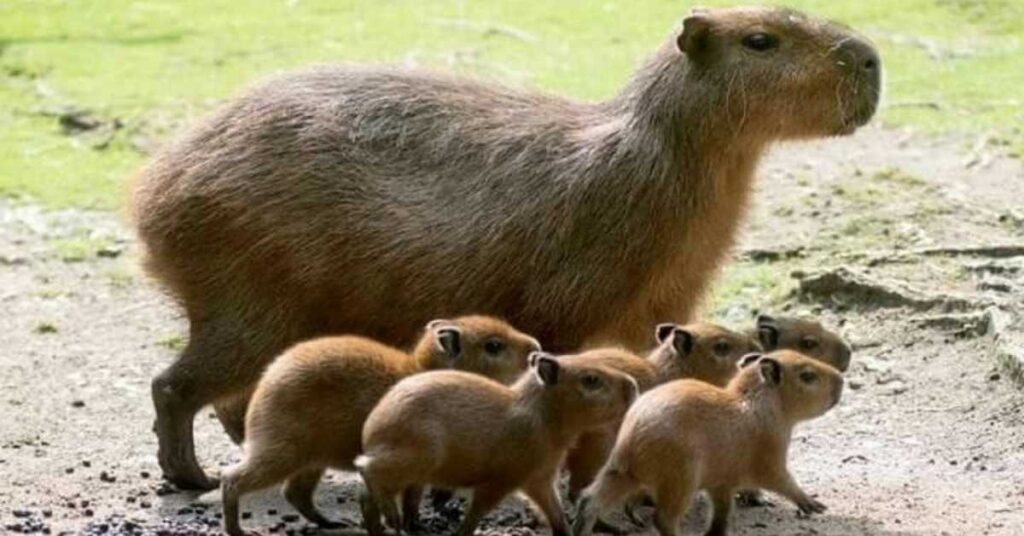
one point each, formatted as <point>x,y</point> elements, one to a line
<point>608,491</point>
<point>721,501</point>
<point>258,470</point>
<point>209,368</point>
<point>231,414</point>
<point>544,494</point>
<point>411,498</point>
<point>587,458</point>
<point>299,492</point>
<point>671,500</point>
<point>485,498</point>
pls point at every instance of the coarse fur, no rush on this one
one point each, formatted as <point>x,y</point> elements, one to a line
<point>457,430</point>
<point>714,439</point>
<point>308,410</point>
<point>368,201</point>
<point>700,350</point>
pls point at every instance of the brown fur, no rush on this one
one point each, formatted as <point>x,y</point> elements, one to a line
<point>714,439</point>
<point>701,351</point>
<point>804,335</point>
<point>457,430</point>
<point>308,410</point>
<point>367,201</point>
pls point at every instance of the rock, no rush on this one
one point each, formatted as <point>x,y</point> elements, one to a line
<point>78,403</point>
<point>844,287</point>
<point>110,252</point>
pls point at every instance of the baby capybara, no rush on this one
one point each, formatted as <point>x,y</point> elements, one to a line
<point>686,436</point>
<point>309,407</point>
<point>700,350</point>
<point>805,335</point>
<point>459,430</point>
<point>368,201</point>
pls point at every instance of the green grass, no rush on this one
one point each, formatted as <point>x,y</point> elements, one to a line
<point>156,65</point>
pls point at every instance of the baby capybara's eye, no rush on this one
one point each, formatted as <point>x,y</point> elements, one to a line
<point>494,346</point>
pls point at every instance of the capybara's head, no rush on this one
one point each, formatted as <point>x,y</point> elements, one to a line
<point>782,73</point>
<point>479,344</point>
<point>806,388</point>
<point>583,394</point>
<point>806,336</point>
<point>701,351</point>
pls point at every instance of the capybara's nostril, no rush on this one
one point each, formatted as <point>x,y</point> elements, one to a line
<point>860,55</point>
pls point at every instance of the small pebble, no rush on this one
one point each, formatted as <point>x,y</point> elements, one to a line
<point>289,518</point>
<point>86,463</point>
<point>78,403</point>
<point>144,474</point>
<point>107,477</point>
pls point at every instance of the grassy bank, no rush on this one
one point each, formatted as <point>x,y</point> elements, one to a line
<point>86,88</point>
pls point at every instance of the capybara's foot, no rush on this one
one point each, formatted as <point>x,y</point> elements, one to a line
<point>187,477</point>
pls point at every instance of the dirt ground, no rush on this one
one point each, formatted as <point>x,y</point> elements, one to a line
<point>914,245</point>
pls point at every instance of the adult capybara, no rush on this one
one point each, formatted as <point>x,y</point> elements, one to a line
<point>368,201</point>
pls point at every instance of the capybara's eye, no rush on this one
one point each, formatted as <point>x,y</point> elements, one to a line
<point>494,346</point>
<point>591,382</point>
<point>760,41</point>
<point>808,343</point>
<point>722,348</point>
<point>808,377</point>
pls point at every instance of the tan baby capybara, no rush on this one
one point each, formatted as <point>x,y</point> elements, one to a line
<point>308,409</point>
<point>458,430</point>
<point>367,200</point>
<point>805,335</point>
<point>701,351</point>
<point>686,436</point>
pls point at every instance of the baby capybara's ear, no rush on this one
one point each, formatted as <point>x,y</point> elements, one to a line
<point>663,331</point>
<point>546,368</point>
<point>449,340</point>
<point>768,332</point>
<point>771,370</point>
<point>747,359</point>
<point>683,341</point>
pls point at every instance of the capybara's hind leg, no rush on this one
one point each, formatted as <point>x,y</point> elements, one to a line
<point>299,492</point>
<point>207,369</point>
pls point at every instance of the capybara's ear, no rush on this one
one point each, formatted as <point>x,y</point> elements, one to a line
<point>693,40</point>
<point>768,332</point>
<point>437,322</point>
<point>747,359</point>
<point>449,340</point>
<point>771,371</point>
<point>546,367</point>
<point>663,331</point>
<point>682,341</point>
